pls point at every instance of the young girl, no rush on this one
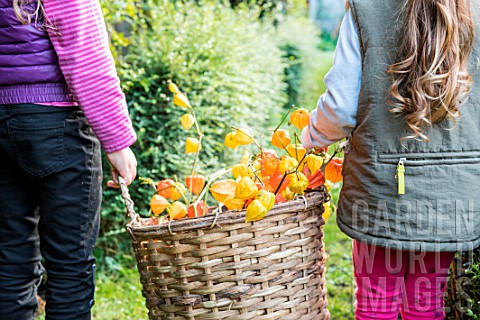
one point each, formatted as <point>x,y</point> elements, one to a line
<point>402,73</point>
<point>59,92</point>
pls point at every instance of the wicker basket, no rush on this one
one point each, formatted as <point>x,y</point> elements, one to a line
<point>219,267</point>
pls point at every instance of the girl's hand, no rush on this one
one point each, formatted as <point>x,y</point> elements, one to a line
<point>124,164</point>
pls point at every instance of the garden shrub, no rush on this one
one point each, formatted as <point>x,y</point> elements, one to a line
<point>300,38</point>
<point>463,293</point>
<point>228,63</point>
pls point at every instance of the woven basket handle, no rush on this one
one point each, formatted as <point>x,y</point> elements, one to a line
<point>128,201</point>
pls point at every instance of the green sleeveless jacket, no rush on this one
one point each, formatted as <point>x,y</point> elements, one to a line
<point>440,207</point>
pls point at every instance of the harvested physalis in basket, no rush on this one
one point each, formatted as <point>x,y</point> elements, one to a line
<point>276,173</point>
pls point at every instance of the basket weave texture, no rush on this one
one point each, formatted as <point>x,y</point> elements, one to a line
<point>219,267</point>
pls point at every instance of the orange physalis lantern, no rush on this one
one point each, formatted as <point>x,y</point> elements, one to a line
<point>165,187</point>
<point>281,138</point>
<point>316,179</point>
<point>272,183</point>
<point>195,183</point>
<point>170,189</point>
<point>200,209</point>
<point>269,162</point>
<point>177,210</point>
<point>300,118</point>
<point>333,170</point>
<point>222,189</point>
<point>178,191</point>
<point>158,204</point>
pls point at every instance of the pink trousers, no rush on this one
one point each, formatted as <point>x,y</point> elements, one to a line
<point>390,281</point>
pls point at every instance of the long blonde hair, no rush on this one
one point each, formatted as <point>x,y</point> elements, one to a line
<point>25,16</point>
<point>430,79</point>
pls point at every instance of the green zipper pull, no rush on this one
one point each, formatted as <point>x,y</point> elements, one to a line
<point>401,176</point>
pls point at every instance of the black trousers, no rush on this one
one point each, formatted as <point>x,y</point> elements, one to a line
<point>50,195</point>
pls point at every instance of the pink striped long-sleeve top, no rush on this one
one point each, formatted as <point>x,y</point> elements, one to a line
<point>80,39</point>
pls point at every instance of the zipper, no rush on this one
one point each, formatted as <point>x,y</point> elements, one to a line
<point>424,159</point>
<point>401,175</point>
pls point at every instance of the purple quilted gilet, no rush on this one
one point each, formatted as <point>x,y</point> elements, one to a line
<point>29,69</point>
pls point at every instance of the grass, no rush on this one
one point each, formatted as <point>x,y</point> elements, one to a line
<point>119,297</point>
<point>339,275</point>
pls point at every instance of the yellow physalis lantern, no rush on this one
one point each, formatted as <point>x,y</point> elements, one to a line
<point>231,141</point>
<point>287,164</point>
<point>327,211</point>
<point>192,145</point>
<point>296,151</point>
<point>173,88</point>
<point>243,136</point>
<point>187,121</point>
<point>300,118</point>
<point>266,198</point>
<point>246,189</point>
<point>255,211</point>
<point>328,185</point>
<point>233,203</point>
<point>241,170</point>
<point>181,100</point>
<point>314,162</point>
<point>298,182</point>
<point>245,157</point>
<point>288,194</point>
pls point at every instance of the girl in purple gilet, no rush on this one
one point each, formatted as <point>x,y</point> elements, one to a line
<point>60,104</point>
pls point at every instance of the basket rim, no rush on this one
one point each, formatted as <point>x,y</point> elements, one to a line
<point>310,200</point>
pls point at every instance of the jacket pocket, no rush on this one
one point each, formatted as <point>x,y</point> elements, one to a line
<point>410,163</point>
<point>39,147</point>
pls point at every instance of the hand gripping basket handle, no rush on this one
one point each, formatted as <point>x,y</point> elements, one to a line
<point>128,201</point>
